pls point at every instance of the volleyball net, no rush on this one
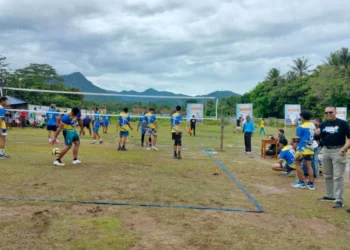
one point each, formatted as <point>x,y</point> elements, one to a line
<point>201,107</point>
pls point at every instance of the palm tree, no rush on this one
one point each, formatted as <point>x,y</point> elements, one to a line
<point>290,76</point>
<point>333,59</point>
<point>344,57</point>
<point>273,76</point>
<point>301,66</point>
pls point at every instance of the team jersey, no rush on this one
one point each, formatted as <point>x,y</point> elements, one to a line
<point>262,124</point>
<point>150,119</point>
<point>176,120</point>
<point>97,121</point>
<point>143,124</point>
<point>288,154</point>
<point>124,120</point>
<point>305,133</point>
<point>106,118</point>
<point>51,116</point>
<point>2,115</point>
<point>69,120</point>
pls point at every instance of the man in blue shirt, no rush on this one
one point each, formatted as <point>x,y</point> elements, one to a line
<point>142,124</point>
<point>96,126</point>
<point>176,130</point>
<point>52,117</point>
<point>3,133</point>
<point>87,123</point>
<point>248,130</point>
<point>123,127</point>
<point>106,119</point>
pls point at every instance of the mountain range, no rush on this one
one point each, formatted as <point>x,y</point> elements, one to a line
<point>79,81</point>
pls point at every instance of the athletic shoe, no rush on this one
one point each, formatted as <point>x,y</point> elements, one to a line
<point>179,157</point>
<point>338,204</point>
<point>326,198</point>
<point>148,148</point>
<point>289,172</point>
<point>175,157</point>
<point>3,157</point>
<point>310,186</point>
<point>124,149</point>
<point>119,148</point>
<point>101,141</point>
<point>299,184</point>
<point>93,142</point>
<point>57,163</point>
<point>76,162</point>
<point>154,148</point>
<point>249,153</point>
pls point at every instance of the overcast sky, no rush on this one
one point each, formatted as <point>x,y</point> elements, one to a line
<point>183,46</point>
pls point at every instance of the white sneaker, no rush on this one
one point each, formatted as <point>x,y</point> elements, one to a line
<point>58,142</point>
<point>94,142</point>
<point>148,149</point>
<point>50,141</point>
<point>249,153</point>
<point>154,148</point>
<point>57,163</point>
<point>76,162</point>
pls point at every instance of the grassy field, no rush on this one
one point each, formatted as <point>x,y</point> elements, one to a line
<point>293,218</point>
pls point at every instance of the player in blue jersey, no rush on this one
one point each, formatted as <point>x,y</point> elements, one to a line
<point>305,150</point>
<point>106,119</point>
<point>151,129</point>
<point>286,161</point>
<point>69,121</point>
<point>3,132</point>
<point>176,130</point>
<point>96,126</point>
<point>52,118</point>
<point>123,127</point>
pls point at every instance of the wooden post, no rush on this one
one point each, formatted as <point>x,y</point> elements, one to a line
<point>222,126</point>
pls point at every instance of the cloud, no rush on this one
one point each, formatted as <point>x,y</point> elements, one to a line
<point>183,46</point>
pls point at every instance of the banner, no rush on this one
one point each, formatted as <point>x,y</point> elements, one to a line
<point>342,113</point>
<point>291,114</point>
<point>196,110</point>
<point>244,110</point>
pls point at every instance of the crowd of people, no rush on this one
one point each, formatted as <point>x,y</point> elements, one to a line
<point>330,138</point>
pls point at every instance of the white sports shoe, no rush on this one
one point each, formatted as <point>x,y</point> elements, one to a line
<point>154,148</point>
<point>76,162</point>
<point>57,163</point>
<point>148,149</point>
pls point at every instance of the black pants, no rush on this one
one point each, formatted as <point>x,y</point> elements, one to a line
<point>193,130</point>
<point>143,139</point>
<point>248,141</point>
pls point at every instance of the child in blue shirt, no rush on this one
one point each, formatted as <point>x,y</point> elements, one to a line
<point>286,161</point>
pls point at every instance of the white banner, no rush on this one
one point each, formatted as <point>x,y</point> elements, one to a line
<point>342,113</point>
<point>291,114</point>
<point>244,109</point>
<point>196,110</point>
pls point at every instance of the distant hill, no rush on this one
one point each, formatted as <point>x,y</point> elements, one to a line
<point>79,81</point>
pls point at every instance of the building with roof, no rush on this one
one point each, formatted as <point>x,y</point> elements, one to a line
<point>15,103</point>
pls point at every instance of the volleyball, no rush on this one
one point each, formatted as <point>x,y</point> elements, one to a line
<point>56,151</point>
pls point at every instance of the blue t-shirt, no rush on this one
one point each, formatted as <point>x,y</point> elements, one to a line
<point>176,120</point>
<point>288,154</point>
<point>69,121</point>
<point>143,124</point>
<point>2,112</point>
<point>51,116</point>
<point>106,118</point>
<point>86,120</point>
<point>305,133</point>
<point>150,120</point>
<point>124,120</point>
<point>97,121</point>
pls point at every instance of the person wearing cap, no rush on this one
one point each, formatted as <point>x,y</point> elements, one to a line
<point>52,117</point>
<point>333,133</point>
<point>305,151</point>
<point>248,129</point>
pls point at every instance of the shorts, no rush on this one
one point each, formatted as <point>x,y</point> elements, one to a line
<point>151,131</point>
<point>51,128</point>
<point>300,157</point>
<point>3,129</point>
<point>96,128</point>
<point>106,124</point>
<point>86,125</point>
<point>124,133</point>
<point>177,137</point>
<point>70,136</point>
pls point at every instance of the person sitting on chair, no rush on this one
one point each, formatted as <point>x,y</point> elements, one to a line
<point>272,148</point>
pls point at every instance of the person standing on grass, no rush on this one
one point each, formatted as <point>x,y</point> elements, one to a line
<point>193,122</point>
<point>248,130</point>
<point>70,135</point>
<point>33,116</point>
<point>335,136</point>
<point>142,124</point>
<point>3,132</point>
<point>262,127</point>
<point>123,126</point>
<point>22,118</point>
<point>52,122</point>
<point>106,120</point>
<point>96,126</point>
<point>239,124</point>
<point>305,151</point>
<point>176,131</point>
<point>151,129</point>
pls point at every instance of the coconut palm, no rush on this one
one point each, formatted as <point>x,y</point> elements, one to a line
<point>274,77</point>
<point>290,76</point>
<point>301,66</point>
<point>344,57</point>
